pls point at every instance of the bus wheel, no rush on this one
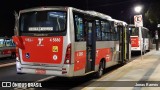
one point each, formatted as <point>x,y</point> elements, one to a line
<point>100,71</point>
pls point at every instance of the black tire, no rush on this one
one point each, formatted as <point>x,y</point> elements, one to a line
<point>100,71</point>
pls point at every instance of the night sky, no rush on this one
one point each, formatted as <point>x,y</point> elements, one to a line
<point>118,9</point>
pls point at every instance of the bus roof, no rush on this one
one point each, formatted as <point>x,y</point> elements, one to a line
<point>118,22</point>
<point>44,8</point>
<point>98,14</point>
<point>132,25</point>
<point>93,13</point>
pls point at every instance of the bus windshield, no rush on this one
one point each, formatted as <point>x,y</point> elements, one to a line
<point>6,43</point>
<point>134,31</point>
<point>9,43</point>
<point>43,21</point>
<point>1,42</point>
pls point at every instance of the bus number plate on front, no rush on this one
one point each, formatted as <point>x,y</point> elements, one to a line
<point>40,71</point>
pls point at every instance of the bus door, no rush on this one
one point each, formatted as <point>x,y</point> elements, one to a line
<point>121,43</point>
<point>90,45</point>
<point>128,42</point>
<point>124,42</point>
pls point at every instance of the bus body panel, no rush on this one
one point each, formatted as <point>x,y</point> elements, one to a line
<point>50,51</point>
<point>42,50</point>
<point>146,44</point>
<point>42,69</point>
<point>108,50</point>
<point>80,60</point>
<point>134,41</point>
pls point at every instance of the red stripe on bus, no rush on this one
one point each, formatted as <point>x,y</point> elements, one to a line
<point>80,58</point>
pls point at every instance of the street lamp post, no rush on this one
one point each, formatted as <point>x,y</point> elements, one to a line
<point>138,9</point>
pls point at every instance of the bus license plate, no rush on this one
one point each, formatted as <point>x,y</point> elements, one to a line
<point>40,71</point>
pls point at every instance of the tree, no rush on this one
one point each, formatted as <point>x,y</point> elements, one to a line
<point>152,16</point>
<point>153,13</point>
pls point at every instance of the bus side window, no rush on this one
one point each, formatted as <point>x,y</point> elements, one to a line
<point>106,34</point>
<point>79,27</point>
<point>1,43</point>
<point>98,31</point>
<point>116,34</point>
<point>113,32</point>
<point>143,33</point>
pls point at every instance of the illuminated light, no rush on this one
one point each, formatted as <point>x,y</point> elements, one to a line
<point>67,61</point>
<point>66,8</point>
<point>138,9</point>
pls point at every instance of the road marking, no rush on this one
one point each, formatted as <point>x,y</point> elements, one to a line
<point>8,64</point>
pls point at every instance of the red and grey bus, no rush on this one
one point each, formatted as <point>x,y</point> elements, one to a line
<point>65,41</point>
<point>7,48</point>
<point>140,38</point>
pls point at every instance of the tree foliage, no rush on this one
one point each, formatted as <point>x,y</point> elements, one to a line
<point>153,13</point>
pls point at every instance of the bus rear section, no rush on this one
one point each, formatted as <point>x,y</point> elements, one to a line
<point>135,36</point>
<point>42,44</point>
<point>135,43</point>
<point>139,38</point>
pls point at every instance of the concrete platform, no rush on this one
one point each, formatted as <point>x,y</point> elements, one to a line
<point>131,75</point>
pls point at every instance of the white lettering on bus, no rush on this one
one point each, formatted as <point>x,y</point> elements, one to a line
<point>80,54</point>
<point>28,40</point>
<point>56,40</point>
<point>40,42</point>
<point>40,29</point>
